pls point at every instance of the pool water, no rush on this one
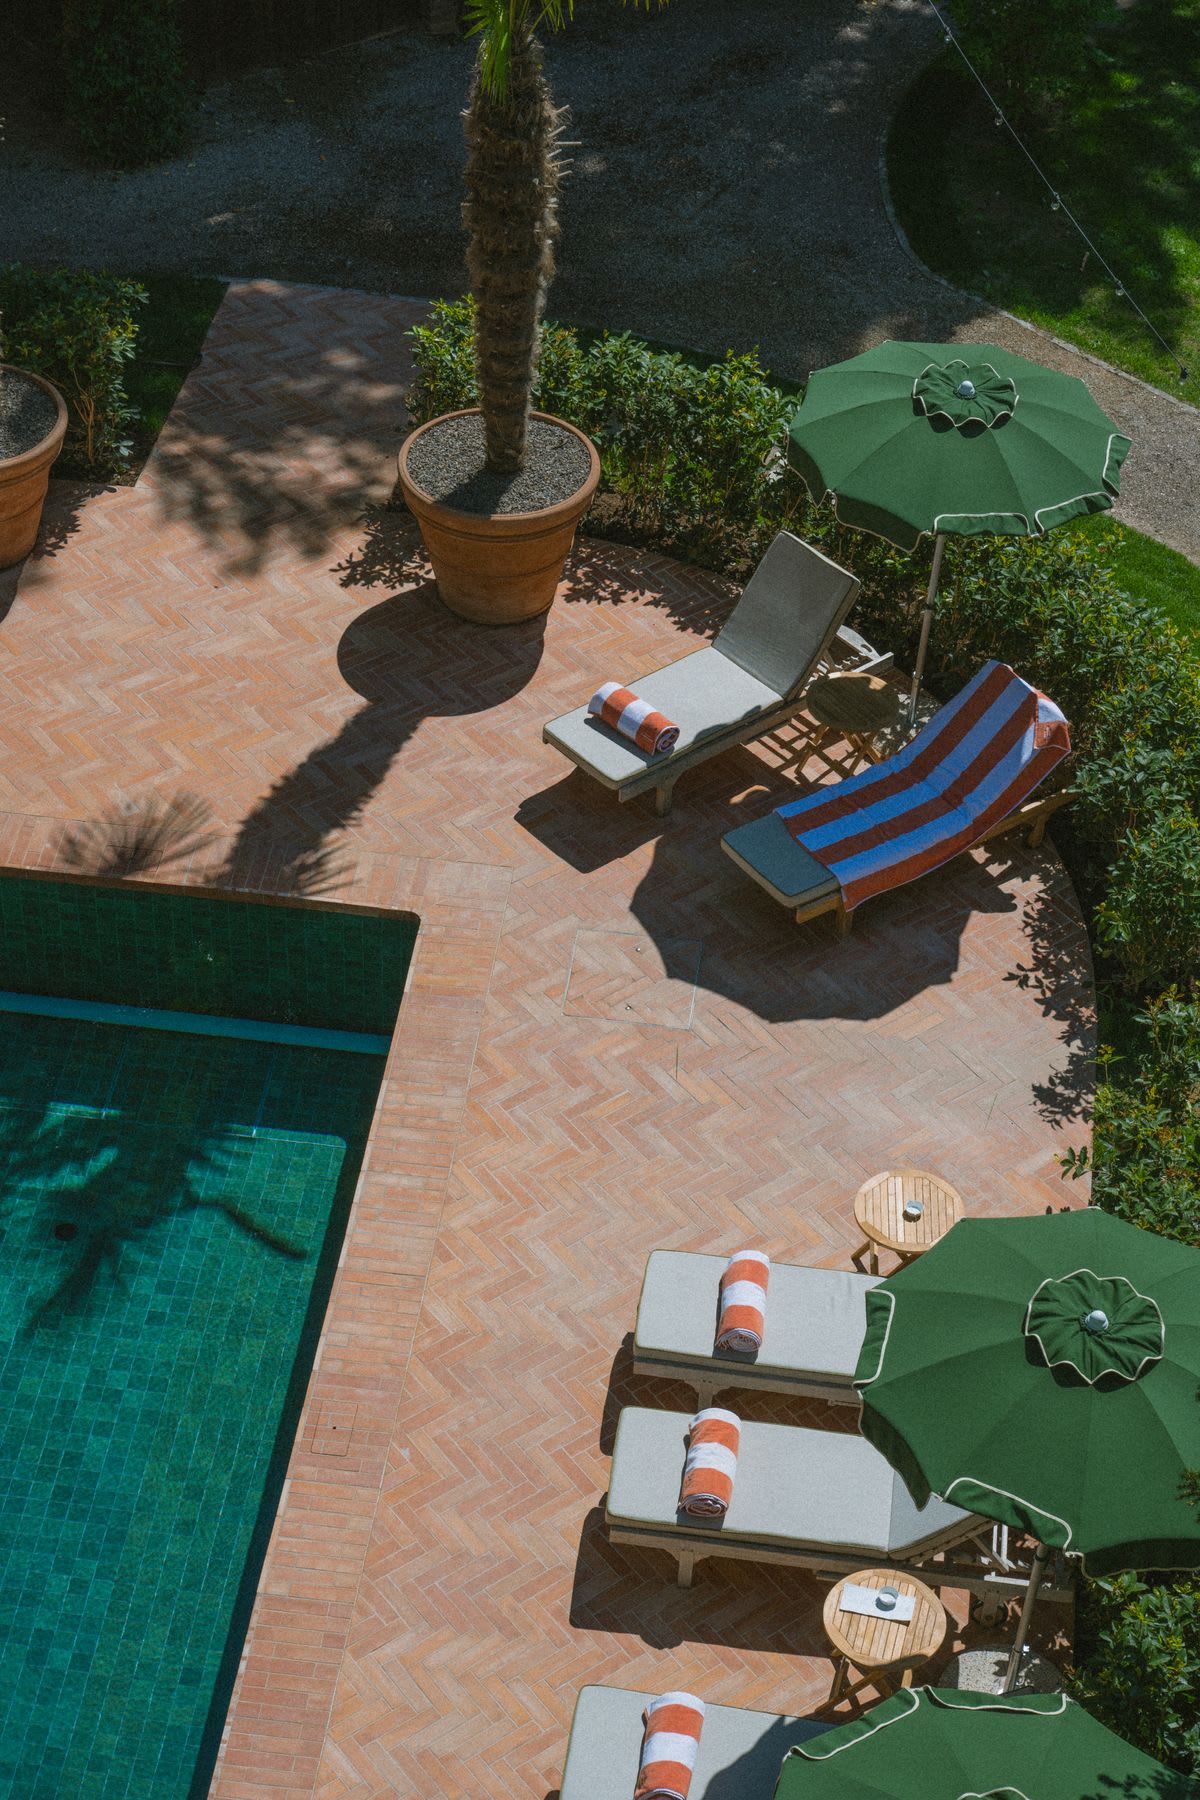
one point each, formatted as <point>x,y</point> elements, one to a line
<point>171,1209</point>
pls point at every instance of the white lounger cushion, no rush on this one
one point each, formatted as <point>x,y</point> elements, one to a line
<point>793,1486</point>
<point>740,1752</point>
<point>815,1320</point>
<point>705,694</point>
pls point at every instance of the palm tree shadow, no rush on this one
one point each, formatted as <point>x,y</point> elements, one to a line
<point>104,1183</point>
<point>153,835</point>
<point>410,660</point>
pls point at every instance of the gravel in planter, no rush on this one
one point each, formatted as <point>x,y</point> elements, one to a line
<point>27,414</point>
<point>448,464</point>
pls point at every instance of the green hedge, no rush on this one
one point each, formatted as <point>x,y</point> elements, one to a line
<point>78,329</point>
<point>126,87</point>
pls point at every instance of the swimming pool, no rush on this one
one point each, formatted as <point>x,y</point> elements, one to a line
<point>172,1203</point>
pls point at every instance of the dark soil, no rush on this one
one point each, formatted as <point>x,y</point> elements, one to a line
<point>27,414</point>
<point>448,463</point>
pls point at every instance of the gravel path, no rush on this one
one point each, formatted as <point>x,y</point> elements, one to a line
<point>725,191</point>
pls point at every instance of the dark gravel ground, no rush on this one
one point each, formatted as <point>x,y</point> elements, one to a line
<point>27,414</point>
<point>724,192</point>
<point>448,463</point>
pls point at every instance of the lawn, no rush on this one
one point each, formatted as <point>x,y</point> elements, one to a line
<point>1125,155</point>
<point>1149,570</point>
<point>171,328</point>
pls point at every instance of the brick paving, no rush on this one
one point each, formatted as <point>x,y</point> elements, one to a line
<point>611,1042</point>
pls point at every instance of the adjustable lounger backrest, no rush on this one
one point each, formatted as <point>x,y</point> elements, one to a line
<point>789,610</point>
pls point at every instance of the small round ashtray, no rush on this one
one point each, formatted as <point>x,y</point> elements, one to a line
<point>914,1209</point>
<point>886,1598</point>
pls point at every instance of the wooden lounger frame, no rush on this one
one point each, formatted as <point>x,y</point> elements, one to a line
<point>712,1377</point>
<point>1033,817</point>
<point>984,1565</point>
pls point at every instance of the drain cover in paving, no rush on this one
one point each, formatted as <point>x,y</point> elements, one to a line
<point>630,976</point>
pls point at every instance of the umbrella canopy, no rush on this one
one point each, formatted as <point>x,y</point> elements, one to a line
<point>912,440</point>
<point>943,1744</point>
<point>1044,1372</point>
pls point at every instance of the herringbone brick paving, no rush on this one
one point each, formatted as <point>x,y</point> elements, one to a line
<point>438,1586</point>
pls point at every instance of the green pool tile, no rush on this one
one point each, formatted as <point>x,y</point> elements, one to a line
<point>152,1366</point>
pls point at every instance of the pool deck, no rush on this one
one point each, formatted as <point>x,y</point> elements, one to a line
<point>612,1042</point>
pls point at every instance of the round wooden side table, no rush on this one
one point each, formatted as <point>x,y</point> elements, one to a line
<point>853,708</point>
<point>882,1650</point>
<point>879,1211</point>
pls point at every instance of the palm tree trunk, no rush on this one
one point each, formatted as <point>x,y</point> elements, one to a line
<point>511,214</point>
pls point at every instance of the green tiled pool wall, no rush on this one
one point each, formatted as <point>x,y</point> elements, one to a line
<point>296,965</point>
<point>152,1366</point>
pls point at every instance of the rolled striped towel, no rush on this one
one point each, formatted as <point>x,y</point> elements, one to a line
<point>620,708</point>
<point>743,1301</point>
<point>669,1747</point>
<point>710,1464</point>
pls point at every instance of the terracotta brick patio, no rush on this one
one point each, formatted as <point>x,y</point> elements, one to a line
<point>611,1042</point>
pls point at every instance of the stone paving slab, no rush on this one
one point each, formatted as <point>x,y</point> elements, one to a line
<point>438,1586</point>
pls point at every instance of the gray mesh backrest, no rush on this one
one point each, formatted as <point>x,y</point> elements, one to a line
<point>790,608</point>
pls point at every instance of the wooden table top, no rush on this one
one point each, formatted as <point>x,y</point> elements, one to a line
<point>878,1643</point>
<point>850,702</point>
<point>879,1209</point>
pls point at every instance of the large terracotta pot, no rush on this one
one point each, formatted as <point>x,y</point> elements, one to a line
<point>23,480</point>
<point>497,568</point>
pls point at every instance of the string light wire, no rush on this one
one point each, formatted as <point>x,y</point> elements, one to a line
<point>1057,203</point>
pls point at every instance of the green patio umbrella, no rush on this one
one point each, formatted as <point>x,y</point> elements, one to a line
<point>917,440</point>
<point>1044,1372</point>
<point>943,1744</point>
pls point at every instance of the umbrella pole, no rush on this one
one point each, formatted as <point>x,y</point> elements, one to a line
<point>939,544</point>
<point>1041,1557</point>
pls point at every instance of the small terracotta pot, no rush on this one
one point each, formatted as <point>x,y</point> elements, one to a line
<point>497,568</point>
<point>23,479</point>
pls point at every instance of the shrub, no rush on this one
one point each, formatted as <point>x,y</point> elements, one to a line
<point>126,89</point>
<point>1142,1672</point>
<point>1150,915</point>
<point>1145,1154</point>
<point>79,330</point>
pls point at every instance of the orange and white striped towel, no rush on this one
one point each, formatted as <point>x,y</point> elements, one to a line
<point>743,1301</point>
<point>669,1747</point>
<point>710,1464</point>
<point>620,708</point>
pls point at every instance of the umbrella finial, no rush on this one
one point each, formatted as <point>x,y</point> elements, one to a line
<point>965,390</point>
<point>1096,1321</point>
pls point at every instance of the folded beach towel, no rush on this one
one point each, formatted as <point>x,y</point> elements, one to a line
<point>743,1301</point>
<point>620,708</point>
<point>710,1464</point>
<point>972,764</point>
<point>672,1738</point>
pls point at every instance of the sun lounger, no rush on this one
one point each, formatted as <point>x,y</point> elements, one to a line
<point>741,1752</point>
<point>823,1500</point>
<point>815,1322</point>
<point>966,777</point>
<point>750,679</point>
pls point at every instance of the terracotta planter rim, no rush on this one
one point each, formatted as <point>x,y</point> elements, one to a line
<point>545,515</point>
<point>9,464</point>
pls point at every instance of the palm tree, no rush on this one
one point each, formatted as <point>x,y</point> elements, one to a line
<point>511,210</point>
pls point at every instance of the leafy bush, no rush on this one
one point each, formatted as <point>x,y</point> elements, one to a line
<point>126,88</point>
<point>1029,50</point>
<point>1145,1154</point>
<point>1142,1672</point>
<point>78,329</point>
<point>1150,915</point>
